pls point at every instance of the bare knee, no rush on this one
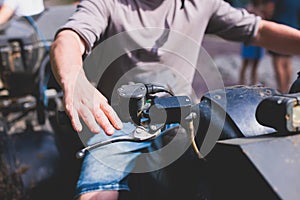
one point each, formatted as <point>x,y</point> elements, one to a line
<point>100,195</point>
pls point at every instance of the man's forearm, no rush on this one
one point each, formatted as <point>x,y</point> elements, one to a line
<point>277,37</point>
<point>66,57</point>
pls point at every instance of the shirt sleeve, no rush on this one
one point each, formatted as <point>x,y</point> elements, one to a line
<point>89,21</point>
<point>232,23</point>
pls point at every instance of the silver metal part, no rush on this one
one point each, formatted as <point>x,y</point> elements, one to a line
<point>140,134</point>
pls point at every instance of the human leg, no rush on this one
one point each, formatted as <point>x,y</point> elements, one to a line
<point>278,69</point>
<point>243,71</point>
<point>282,70</point>
<point>100,195</point>
<point>254,71</point>
<point>105,169</point>
<point>251,55</point>
<point>288,73</point>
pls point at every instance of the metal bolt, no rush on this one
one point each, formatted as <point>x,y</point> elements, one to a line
<point>138,131</point>
<point>217,97</point>
<point>153,127</point>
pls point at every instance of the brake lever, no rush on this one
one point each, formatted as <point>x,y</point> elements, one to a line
<point>140,134</point>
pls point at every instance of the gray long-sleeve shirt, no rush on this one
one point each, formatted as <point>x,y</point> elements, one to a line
<point>153,41</point>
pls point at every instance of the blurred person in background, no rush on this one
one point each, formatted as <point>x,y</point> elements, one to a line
<point>285,12</point>
<point>251,55</point>
<point>10,8</point>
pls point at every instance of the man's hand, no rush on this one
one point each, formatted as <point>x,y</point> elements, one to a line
<point>83,100</point>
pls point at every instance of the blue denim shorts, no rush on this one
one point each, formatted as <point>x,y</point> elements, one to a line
<point>108,167</point>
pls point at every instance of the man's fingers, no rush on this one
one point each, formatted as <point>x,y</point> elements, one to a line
<point>103,121</point>
<point>112,116</point>
<point>94,110</point>
<point>88,118</point>
<point>74,118</point>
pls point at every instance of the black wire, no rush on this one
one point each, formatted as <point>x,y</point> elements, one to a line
<point>152,89</point>
<point>182,4</point>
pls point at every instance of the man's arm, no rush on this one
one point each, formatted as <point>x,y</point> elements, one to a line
<point>277,37</point>
<point>81,98</point>
<point>6,13</point>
